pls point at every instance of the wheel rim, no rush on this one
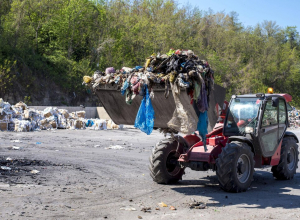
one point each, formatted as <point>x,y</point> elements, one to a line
<point>171,164</point>
<point>291,158</point>
<point>243,168</point>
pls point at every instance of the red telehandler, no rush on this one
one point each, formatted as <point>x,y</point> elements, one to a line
<point>252,134</point>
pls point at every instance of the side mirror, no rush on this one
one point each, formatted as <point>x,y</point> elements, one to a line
<point>249,130</point>
<point>275,101</point>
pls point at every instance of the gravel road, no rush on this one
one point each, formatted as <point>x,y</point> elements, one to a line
<point>81,178</point>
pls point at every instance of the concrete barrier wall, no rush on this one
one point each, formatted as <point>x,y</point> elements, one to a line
<point>90,112</point>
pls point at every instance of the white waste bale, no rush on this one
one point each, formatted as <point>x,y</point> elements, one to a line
<point>48,112</point>
<point>61,122</point>
<point>64,113</point>
<point>111,125</point>
<point>100,124</point>
<point>80,114</point>
<point>23,126</point>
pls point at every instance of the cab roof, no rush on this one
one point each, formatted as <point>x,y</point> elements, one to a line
<point>286,96</point>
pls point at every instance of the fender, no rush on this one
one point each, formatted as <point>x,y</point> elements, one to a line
<point>191,139</point>
<point>242,139</point>
<point>291,134</point>
<point>182,141</point>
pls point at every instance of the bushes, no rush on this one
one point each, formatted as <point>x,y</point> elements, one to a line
<point>62,40</point>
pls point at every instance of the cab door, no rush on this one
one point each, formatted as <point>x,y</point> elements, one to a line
<point>269,130</point>
<point>282,119</point>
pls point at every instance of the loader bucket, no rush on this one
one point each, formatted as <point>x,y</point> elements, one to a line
<point>121,113</point>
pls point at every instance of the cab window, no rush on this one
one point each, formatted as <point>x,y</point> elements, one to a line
<point>282,112</point>
<point>270,115</point>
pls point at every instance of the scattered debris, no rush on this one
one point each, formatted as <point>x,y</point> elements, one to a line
<point>16,141</point>
<point>140,217</point>
<point>34,171</point>
<point>15,148</point>
<point>197,205</point>
<point>114,147</point>
<point>128,208</point>
<point>5,168</point>
<point>162,204</point>
<point>172,207</point>
<point>146,209</point>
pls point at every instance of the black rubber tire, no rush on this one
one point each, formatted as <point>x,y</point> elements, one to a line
<point>285,170</point>
<point>161,170</point>
<point>227,168</point>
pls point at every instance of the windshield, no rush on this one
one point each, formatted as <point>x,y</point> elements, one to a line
<point>242,113</point>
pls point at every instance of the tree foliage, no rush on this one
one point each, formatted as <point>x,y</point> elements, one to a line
<point>62,40</point>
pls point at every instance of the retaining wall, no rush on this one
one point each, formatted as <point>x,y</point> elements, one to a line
<point>90,112</point>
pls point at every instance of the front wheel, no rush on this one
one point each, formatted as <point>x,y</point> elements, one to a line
<point>235,167</point>
<point>288,163</point>
<point>164,167</point>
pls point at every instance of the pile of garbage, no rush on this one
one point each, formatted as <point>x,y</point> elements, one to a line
<point>20,118</point>
<point>294,118</point>
<point>175,69</point>
<point>182,67</point>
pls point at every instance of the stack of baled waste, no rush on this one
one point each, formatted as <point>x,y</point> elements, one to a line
<point>20,118</point>
<point>175,69</point>
<point>294,118</point>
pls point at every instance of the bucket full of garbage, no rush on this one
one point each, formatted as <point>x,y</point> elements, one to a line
<point>174,91</point>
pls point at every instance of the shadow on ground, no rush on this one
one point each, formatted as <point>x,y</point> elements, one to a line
<point>265,191</point>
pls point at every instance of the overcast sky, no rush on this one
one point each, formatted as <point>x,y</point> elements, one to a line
<point>285,13</point>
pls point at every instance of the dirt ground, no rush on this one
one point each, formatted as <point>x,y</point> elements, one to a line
<point>80,178</point>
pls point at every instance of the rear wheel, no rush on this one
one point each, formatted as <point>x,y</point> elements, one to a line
<point>235,167</point>
<point>288,163</point>
<point>164,167</point>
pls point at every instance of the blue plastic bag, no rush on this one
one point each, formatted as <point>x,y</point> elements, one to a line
<point>145,117</point>
<point>89,123</point>
<point>138,67</point>
<point>202,127</point>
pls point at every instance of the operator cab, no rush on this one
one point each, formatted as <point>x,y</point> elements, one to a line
<point>262,118</point>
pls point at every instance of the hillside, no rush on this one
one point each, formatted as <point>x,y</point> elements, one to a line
<point>46,47</point>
